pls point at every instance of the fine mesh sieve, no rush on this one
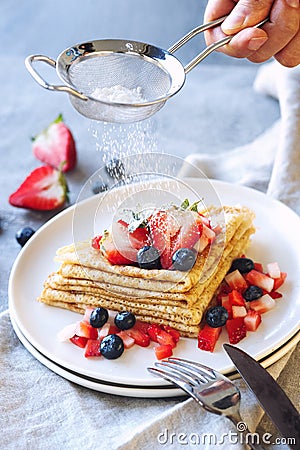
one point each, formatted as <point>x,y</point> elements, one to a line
<point>122,81</point>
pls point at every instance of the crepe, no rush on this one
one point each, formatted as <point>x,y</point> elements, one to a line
<point>86,279</point>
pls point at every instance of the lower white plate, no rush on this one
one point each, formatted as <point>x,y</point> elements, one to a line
<point>277,239</point>
<point>142,391</point>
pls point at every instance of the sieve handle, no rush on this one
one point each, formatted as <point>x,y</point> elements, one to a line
<point>28,63</point>
<point>208,50</point>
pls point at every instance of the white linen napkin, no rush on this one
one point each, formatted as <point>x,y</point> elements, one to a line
<point>271,163</point>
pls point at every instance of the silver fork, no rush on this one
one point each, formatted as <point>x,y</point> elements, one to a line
<point>212,390</point>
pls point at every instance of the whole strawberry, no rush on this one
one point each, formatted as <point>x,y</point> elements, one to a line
<point>55,146</point>
<point>44,189</point>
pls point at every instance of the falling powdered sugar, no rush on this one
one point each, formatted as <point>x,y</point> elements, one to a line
<point>118,94</point>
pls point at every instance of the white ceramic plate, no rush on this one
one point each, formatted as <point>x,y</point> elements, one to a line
<point>277,239</point>
<point>141,391</point>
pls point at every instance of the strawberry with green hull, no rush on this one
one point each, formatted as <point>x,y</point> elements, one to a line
<point>44,189</point>
<point>56,146</point>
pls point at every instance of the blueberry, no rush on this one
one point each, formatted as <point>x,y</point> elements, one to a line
<point>112,346</point>
<point>23,235</point>
<point>115,169</point>
<point>184,259</point>
<point>148,257</point>
<point>243,265</point>
<point>98,317</point>
<point>252,293</point>
<point>125,320</point>
<point>216,316</point>
<point>99,187</point>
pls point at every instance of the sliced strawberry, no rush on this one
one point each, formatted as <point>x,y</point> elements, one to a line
<point>165,338</point>
<point>92,348</point>
<point>273,270</point>
<point>139,237</point>
<point>127,340</point>
<point>163,351</point>
<point>116,247</point>
<point>252,320</point>
<point>96,242</point>
<point>44,189</point>
<point>236,298</point>
<point>236,280</point>
<point>56,146</point>
<point>279,281</point>
<point>161,231</point>
<point>263,304</point>
<point>207,338</point>
<point>80,341</point>
<point>140,338</point>
<point>236,329</point>
<point>86,330</point>
<point>261,280</point>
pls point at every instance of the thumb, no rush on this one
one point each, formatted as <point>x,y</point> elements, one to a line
<point>245,14</point>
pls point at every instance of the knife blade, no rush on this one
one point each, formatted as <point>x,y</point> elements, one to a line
<point>271,397</point>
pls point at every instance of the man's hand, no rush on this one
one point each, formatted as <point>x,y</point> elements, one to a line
<point>280,37</point>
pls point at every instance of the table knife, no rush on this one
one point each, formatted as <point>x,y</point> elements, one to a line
<point>271,397</point>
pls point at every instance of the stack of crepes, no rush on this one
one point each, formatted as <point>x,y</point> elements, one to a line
<point>178,299</point>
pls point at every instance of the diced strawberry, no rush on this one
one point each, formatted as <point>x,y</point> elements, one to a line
<point>263,304</point>
<point>104,331</point>
<point>236,280</point>
<point>113,329</point>
<point>140,338</point>
<point>67,332</point>
<point>273,270</point>
<point>163,351</point>
<point>174,333</point>
<point>252,320</point>
<point>142,326</point>
<point>258,267</point>
<point>227,304</point>
<point>86,330</point>
<point>96,242</point>
<point>209,234</point>
<point>238,311</point>
<point>207,338</point>
<point>164,338</point>
<point>87,314</point>
<point>153,331</point>
<point>56,146</point>
<point>236,298</point>
<point>80,341</point>
<point>236,329</point>
<point>279,281</point>
<point>92,348</point>
<point>127,340</point>
<point>44,189</point>
<point>261,280</point>
<point>275,294</point>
